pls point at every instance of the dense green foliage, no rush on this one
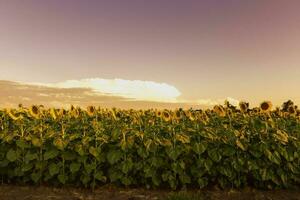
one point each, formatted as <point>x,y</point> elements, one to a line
<point>193,148</point>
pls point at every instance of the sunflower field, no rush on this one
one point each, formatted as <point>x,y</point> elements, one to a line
<point>227,146</point>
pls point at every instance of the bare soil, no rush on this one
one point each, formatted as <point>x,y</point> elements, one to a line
<point>13,192</point>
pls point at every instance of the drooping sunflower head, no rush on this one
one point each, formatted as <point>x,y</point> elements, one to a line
<point>53,113</point>
<point>298,112</point>
<point>219,110</point>
<point>13,115</point>
<point>62,112</point>
<point>266,106</point>
<point>177,114</point>
<point>166,115</point>
<point>72,108</point>
<point>34,111</point>
<point>91,110</point>
<point>74,112</point>
<point>286,105</point>
<point>291,110</point>
<point>244,106</point>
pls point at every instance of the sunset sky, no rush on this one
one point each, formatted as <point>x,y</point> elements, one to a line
<point>142,53</point>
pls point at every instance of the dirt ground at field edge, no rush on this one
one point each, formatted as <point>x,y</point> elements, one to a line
<point>13,192</point>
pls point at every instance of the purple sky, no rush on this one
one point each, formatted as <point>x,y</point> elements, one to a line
<point>208,49</point>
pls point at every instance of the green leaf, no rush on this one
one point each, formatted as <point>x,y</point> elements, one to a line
<point>59,143</point>
<point>12,155</point>
<point>228,151</point>
<point>53,169</point>
<point>50,154</point>
<point>90,167</point>
<point>85,179</point>
<point>202,182</point>
<point>80,150</point>
<point>126,180</point>
<point>30,156</point>
<point>35,177</point>
<point>214,154</point>
<point>36,142</point>
<point>114,156</point>
<point>62,178</point>
<point>4,163</point>
<point>156,180</point>
<point>93,151</point>
<point>22,144</point>
<point>99,176</point>
<point>127,166</point>
<point>26,167</point>
<point>208,164</point>
<point>74,167</point>
<point>274,157</point>
<point>173,153</point>
<point>114,175</point>
<point>199,148</point>
<point>184,178</point>
<point>68,155</point>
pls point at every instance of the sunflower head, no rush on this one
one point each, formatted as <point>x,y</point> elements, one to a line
<point>298,112</point>
<point>53,113</point>
<point>177,114</point>
<point>244,106</point>
<point>91,110</point>
<point>12,115</point>
<point>166,115</point>
<point>291,110</point>
<point>72,108</point>
<point>286,105</point>
<point>266,106</point>
<point>34,111</point>
<point>158,113</point>
<point>62,112</point>
<point>219,110</point>
<point>75,112</point>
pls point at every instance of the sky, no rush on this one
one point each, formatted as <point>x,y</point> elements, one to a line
<point>149,53</point>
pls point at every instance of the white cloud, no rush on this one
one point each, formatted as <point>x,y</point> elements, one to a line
<point>94,90</point>
<point>212,102</point>
<point>233,101</point>
<point>133,89</point>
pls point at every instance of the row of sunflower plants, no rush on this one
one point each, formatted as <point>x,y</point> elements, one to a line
<point>226,146</point>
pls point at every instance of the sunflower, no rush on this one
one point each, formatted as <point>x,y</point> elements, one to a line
<point>266,106</point>
<point>286,105</point>
<point>291,110</point>
<point>158,113</point>
<point>244,106</point>
<point>34,111</point>
<point>62,112</point>
<point>12,115</point>
<point>91,110</point>
<point>177,114</point>
<point>113,114</point>
<point>256,110</point>
<point>166,115</point>
<point>72,108</point>
<point>53,113</point>
<point>191,115</point>
<point>219,110</point>
<point>74,112</point>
